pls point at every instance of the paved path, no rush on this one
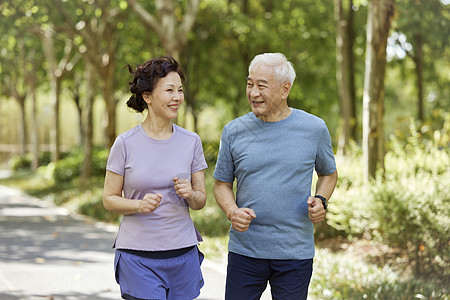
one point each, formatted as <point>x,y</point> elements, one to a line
<point>48,253</point>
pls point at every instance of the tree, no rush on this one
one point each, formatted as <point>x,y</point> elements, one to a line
<point>97,33</point>
<point>19,73</point>
<point>56,69</point>
<point>172,33</point>
<point>32,67</point>
<point>87,121</point>
<point>379,18</point>
<point>170,25</point>
<point>345,71</point>
<point>426,29</point>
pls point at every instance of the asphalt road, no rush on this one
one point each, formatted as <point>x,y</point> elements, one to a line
<point>48,253</point>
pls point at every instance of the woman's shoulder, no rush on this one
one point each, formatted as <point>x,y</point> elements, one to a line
<point>130,133</point>
<point>183,131</point>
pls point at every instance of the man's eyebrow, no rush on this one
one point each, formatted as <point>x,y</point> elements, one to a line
<point>259,81</point>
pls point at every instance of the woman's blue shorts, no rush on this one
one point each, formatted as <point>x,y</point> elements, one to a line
<point>176,278</point>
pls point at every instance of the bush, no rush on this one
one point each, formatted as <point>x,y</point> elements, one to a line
<point>341,276</point>
<point>90,203</point>
<point>411,204</point>
<point>408,207</point>
<point>348,211</point>
<point>210,220</point>
<point>69,167</point>
<point>211,151</point>
<point>20,162</point>
<point>99,159</point>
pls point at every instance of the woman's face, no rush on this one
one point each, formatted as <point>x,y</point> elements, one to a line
<point>167,97</point>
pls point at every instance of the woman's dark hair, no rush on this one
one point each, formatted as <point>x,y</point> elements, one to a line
<point>146,77</point>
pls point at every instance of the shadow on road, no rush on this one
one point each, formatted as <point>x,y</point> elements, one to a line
<point>46,252</point>
<point>68,296</point>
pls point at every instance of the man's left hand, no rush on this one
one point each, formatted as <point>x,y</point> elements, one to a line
<point>316,211</point>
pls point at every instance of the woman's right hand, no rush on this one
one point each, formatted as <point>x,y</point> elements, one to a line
<point>149,203</point>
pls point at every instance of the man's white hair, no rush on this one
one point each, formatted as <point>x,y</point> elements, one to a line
<point>283,69</point>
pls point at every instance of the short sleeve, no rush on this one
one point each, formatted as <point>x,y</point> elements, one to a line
<point>325,163</point>
<point>224,170</point>
<point>116,158</point>
<point>198,161</point>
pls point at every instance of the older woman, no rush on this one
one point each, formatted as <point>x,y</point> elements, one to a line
<point>154,175</point>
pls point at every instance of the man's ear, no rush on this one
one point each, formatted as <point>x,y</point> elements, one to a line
<point>286,88</point>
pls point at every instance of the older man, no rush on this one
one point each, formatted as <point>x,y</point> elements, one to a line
<point>272,152</point>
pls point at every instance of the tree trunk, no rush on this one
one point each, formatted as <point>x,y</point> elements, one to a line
<point>379,19</point>
<point>20,99</point>
<point>418,60</point>
<point>49,51</point>
<point>108,95</point>
<point>22,134</point>
<point>107,70</point>
<point>34,136</point>
<point>190,88</point>
<point>345,72</point>
<point>54,130</point>
<point>77,100</point>
<point>87,122</point>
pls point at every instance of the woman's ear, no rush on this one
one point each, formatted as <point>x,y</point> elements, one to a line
<point>147,97</point>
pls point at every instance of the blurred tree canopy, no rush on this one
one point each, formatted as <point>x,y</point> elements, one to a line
<point>77,49</point>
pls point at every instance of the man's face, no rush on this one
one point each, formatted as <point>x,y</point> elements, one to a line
<point>266,95</point>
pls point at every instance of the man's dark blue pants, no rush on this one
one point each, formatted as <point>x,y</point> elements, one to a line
<point>247,278</point>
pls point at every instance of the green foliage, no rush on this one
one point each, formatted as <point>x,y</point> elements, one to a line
<point>408,207</point>
<point>339,276</point>
<point>69,167</point>
<point>90,203</point>
<point>411,204</point>
<point>20,162</point>
<point>348,211</point>
<point>211,151</point>
<point>99,159</point>
<point>210,220</point>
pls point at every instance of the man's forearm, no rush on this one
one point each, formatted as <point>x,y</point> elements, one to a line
<point>325,185</point>
<point>223,192</point>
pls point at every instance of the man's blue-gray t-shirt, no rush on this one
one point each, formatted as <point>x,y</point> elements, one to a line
<point>273,163</point>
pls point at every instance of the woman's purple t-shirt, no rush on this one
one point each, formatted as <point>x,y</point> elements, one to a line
<point>148,166</point>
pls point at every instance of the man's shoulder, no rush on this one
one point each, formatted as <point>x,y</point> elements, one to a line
<point>239,121</point>
<point>307,118</point>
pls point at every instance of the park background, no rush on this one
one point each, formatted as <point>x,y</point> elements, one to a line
<point>377,72</point>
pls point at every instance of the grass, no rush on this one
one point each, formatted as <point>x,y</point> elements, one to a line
<point>343,269</point>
